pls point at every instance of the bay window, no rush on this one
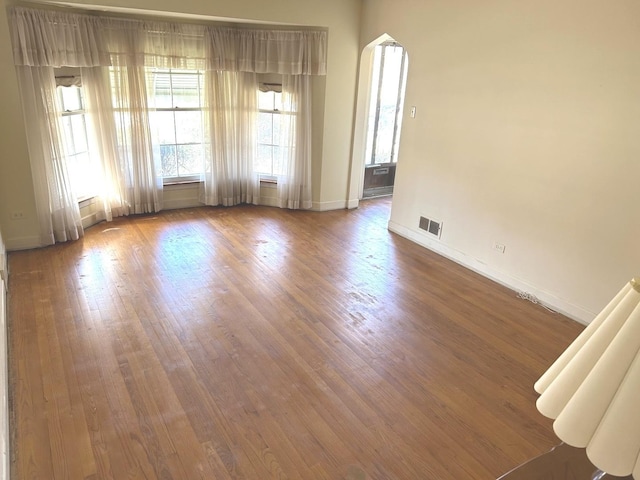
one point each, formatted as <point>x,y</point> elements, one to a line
<point>161,102</point>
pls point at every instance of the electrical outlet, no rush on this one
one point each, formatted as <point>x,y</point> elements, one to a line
<point>498,247</point>
<point>17,215</point>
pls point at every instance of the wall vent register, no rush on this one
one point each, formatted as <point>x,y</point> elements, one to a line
<point>433,227</point>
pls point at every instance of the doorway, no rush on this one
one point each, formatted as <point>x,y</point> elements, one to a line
<point>384,121</point>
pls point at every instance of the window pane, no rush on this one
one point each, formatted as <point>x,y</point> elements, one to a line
<point>391,75</point>
<point>188,127</point>
<point>279,160</point>
<point>263,161</point>
<point>265,100</point>
<point>83,175</point>
<point>384,140</point>
<point>161,90</point>
<point>68,134</point>
<point>265,127</point>
<point>277,124</point>
<point>70,98</point>
<point>79,133</point>
<point>186,90</point>
<point>189,159</point>
<point>277,100</point>
<point>206,152</point>
<point>169,161</point>
<point>163,127</point>
<point>390,85</point>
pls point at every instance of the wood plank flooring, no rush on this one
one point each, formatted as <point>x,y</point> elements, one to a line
<point>260,343</point>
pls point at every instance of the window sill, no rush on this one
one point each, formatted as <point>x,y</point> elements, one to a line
<point>181,182</point>
<point>84,201</point>
<point>186,184</point>
<point>268,183</point>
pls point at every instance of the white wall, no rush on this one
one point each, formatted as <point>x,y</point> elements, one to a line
<point>527,133</point>
<point>334,97</point>
<point>16,188</point>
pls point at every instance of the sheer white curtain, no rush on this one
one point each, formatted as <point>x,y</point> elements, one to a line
<point>230,126</point>
<point>112,196</point>
<point>296,55</point>
<point>138,162</point>
<point>294,183</point>
<point>58,213</point>
<point>43,40</point>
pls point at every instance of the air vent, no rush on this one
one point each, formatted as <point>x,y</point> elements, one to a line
<point>434,227</point>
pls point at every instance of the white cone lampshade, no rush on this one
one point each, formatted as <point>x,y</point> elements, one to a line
<point>593,389</point>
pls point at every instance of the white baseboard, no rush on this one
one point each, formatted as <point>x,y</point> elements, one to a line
<point>22,243</point>
<point>4,385</point>
<point>269,202</point>
<point>548,299</point>
<point>353,203</point>
<point>181,203</point>
<point>326,206</point>
<point>91,219</point>
<point>4,371</point>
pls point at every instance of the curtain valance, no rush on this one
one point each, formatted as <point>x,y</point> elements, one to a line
<point>43,38</point>
<point>53,38</point>
<point>154,44</point>
<point>69,81</point>
<point>267,51</point>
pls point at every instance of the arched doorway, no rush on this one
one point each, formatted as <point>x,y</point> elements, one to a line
<point>385,118</point>
<point>383,74</point>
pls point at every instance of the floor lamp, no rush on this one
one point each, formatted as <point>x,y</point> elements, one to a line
<point>592,391</point>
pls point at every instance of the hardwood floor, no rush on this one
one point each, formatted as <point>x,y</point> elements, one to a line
<point>261,343</point>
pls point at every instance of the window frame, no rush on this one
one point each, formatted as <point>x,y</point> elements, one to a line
<point>275,88</point>
<point>180,179</point>
<point>69,133</point>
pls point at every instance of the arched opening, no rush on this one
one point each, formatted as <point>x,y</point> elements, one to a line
<point>379,111</point>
